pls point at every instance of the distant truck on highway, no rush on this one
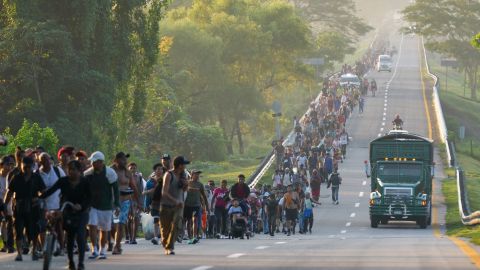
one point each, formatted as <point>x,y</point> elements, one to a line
<point>384,63</point>
<point>401,179</point>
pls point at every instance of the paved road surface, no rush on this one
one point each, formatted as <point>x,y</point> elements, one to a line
<point>342,237</point>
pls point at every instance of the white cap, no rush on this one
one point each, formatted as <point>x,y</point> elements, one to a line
<point>96,156</point>
<point>266,194</point>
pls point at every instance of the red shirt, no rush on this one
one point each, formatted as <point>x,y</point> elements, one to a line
<point>219,193</point>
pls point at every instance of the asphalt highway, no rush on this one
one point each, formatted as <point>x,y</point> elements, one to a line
<point>342,237</point>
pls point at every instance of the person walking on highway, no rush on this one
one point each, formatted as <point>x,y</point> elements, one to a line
<point>335,181</point>
<point>240,191</point>
<point>174,185</point>
<point>291,204</point>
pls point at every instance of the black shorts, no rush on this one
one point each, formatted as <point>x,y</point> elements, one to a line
<point>291,214</point>
<point>188,211</point>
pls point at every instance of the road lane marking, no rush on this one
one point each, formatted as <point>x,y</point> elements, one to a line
<point>348,224</point>
<point>384,119</point>
<point>382,129</point>
<point>343,232</point>
<point>352,215</point>
<point>280,243</point>
<point>262,247</point>
<point>331,236</point>
<point>357,204</point>
<point>379,135</point>
<point>203,267</point>
<point>364,183</point>
<point>360,194</point>
<point>235,255</point>
<point>383,124</point>
<point>467,250</point>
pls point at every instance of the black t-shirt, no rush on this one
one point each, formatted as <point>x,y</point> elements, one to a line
<point>26,190</point>
<point>78,194</point>
<point>272,205</point>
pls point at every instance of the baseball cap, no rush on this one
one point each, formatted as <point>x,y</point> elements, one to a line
<point>180,160</point>
<point>121,155</point>
<point>241,176</point>
<point>64,150</point>
<point>81,153</point>
<point>196,172</point>
<point>166,156</point>
<point>96,156</point>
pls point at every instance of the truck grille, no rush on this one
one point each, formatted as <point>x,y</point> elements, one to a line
<point>398,192</point>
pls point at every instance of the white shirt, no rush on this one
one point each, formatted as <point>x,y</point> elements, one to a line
<point>302,160</point>
<point>110,173</point>
<point>277,180</point>
<point>52,202</point>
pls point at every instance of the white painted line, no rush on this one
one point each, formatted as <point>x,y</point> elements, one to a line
<point>384,119</point>
<point>360,194</point>
<point>348,224</point>
<point>383,124</point>
<point>364,183</point>
<point>331,236</point>
<point>379,135</point>
<point>384,114</point>
<point>343,232</point>
<point>280,243</point>
<point>262,247</point>
<point>235,255</point>
<point>385,108</point>
<point>382,129</point>
<point>203,267</point>
<point>352,215</point>
<point>357,205</point>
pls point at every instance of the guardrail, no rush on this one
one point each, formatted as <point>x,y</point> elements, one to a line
<point>467,217</point>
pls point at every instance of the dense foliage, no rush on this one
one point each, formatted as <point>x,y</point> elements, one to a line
<point>126,74</point>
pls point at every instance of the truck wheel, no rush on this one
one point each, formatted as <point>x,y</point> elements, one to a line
<point>373,221</point>
<point>423,222</point>
<point>384,221</point>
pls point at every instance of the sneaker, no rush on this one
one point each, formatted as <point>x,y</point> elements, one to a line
<point>34,256</point>
<point>4,249</point>
<point>102,256</point>
<point>336,202</point>
<point>81,266</point>
<point>25,251</point>
<point>154,241</point>
<point>18,258</point>
<point>272,234</point>
<point>127,242</point>
<point>93,256</point>
<point>71,266</point>
<point>133,242</point>
<point>11,250</point>
<point>288,234</point>
<point>195,240</point>
<point>110,246</point>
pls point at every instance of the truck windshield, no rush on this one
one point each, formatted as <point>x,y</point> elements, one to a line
<point>399,171</point>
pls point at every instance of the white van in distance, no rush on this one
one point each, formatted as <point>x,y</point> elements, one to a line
<point>384,63</point>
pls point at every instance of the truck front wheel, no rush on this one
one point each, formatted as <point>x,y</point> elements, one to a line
<point>423,222</point>
<point>374,221</point>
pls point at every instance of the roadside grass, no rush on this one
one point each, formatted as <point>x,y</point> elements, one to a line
<point>459,110</point>
<point>449,188</point>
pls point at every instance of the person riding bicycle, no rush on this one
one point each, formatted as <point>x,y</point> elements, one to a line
<point>397,122</point>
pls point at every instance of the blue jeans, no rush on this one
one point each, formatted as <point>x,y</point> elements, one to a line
<point>335,194</point>
<point>265,223</point>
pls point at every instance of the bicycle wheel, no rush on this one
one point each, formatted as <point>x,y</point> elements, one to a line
<point>47,254</point>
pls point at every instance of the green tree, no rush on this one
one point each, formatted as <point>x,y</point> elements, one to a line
<point>476,41</point>
<point>29,136</point>
<point>448,26</point>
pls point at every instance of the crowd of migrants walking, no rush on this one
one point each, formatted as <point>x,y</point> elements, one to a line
<point>106,205</point>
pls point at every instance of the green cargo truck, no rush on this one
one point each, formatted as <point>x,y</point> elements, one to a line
<point>401,179</point>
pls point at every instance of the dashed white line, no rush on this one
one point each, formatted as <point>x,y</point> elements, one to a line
<point>385,108</point>
<point>384,114</point>
<point>343,232</point>
<point>331,236</point>
<point>382,129</point>
<point>384,119</point>
<point>357,205</point>
<point>360,194</point>
<point>203,267</point>
<point>352,215</point>
<point>235,255</point>
<point>348,224</point>
<point>383,124</point>
<point>364,183</point>
<point>262,247</point>
<point>379,135</point>
<point>280,243</point>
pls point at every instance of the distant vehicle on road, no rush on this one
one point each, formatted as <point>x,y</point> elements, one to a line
<point>384,63</point>
<point>350,80</point>
<point>401,179</point>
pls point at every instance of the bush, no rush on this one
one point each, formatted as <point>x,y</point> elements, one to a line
<point>29,136</point>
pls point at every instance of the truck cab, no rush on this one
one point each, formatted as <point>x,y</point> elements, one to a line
<point>401,184</point>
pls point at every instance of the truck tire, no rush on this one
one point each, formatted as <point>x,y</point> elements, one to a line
<point>373,221</point>
<point>423,222</point>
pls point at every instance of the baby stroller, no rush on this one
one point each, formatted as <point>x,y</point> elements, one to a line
<point>238,225</point>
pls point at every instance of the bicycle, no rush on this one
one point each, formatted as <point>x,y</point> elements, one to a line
<point>51,235</point>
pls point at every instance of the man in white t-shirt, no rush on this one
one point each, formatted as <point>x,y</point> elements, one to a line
<point>50,175</point>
